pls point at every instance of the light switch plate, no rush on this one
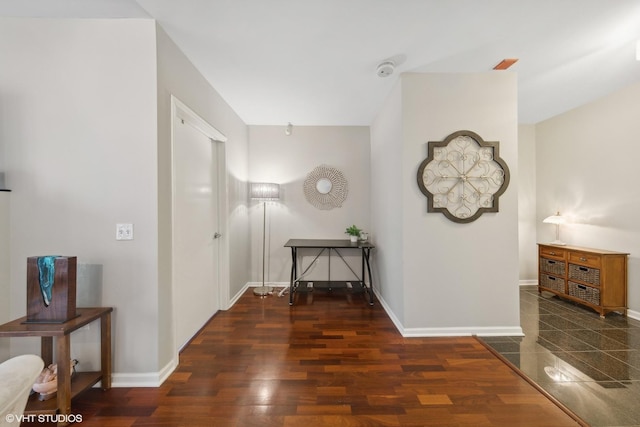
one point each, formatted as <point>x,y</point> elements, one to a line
<point>124,231</point>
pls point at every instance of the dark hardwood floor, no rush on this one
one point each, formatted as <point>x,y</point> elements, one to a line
<point>330,360</point>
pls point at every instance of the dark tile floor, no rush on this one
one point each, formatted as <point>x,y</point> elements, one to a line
<point>591,365</point>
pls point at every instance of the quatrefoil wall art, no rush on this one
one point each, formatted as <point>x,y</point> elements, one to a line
<point>463,176</point>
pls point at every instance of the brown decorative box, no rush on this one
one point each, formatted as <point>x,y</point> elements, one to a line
<point>51,289</point>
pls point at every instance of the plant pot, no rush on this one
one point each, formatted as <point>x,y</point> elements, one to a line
<point>354,239</point>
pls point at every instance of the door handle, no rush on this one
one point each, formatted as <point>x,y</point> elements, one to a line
<point>217,235</point>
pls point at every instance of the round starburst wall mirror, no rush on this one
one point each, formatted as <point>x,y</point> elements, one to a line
<point>325,187</point>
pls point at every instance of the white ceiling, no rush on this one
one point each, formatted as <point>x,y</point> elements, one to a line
<point>313,62</point>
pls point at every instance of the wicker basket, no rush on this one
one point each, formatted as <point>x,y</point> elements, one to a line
<point>584,292</point>
<point>584,274</point>
<point>553,283</point>
<point>552,266</point>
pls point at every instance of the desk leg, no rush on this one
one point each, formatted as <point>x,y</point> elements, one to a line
<point>46,350</point>
<point>329,269</point>
<point>293,274</point>
<point>363,277</point>
<point>105,350</point>
<point>365,256</point>
<point>63,359</point>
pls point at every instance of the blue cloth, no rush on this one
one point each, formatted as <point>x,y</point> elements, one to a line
<point>47,274</point>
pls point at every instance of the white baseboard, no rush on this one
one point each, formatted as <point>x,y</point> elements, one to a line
<point>633,314</point>
<point>147,379</point>
<point>155,379</point>
<point>497,331</point>
<point>237,296</point>
<point>448,331</point>
<point>274,284</point>
<point>464,331</point>
<point>528,282</point>
<point>397,323</point>
<point>248,285</point>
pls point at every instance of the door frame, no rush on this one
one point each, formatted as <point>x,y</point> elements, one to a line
<point>180,111</point>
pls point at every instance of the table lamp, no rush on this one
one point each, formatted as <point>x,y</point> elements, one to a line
<point>557,220</point>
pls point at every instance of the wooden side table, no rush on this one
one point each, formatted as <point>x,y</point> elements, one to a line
<point>62,331</point>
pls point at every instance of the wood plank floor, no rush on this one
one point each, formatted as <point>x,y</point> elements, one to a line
<point>330,360</point>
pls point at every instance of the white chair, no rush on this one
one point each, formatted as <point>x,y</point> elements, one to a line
<point>16,380</point>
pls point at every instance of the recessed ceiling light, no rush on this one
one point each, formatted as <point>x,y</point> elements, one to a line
<point>505,63</point>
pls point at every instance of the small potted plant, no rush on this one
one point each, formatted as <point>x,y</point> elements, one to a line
<point>353,232</point>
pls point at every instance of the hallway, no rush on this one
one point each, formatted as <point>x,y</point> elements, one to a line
<point>329,360</point>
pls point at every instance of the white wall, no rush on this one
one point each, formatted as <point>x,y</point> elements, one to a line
<point>587,169</point>
<point>78,114</point>
<point>527,222</point>
<point>177,76</point>
<point>87,137</point>
<point>286,160</point>
<point>5,289</point>
<point>386,203</point>
<point>457,278</point>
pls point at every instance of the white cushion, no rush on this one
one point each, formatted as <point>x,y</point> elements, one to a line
<point>16,379</point>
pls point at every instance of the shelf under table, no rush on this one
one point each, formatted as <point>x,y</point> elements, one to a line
<point>328,285</point>
<point>80,382</point>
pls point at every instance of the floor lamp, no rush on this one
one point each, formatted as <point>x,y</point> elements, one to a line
<point>264,191</point>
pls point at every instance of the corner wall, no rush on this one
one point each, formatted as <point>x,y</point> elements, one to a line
<point>527,221</point>
<point>5,288</point>
<point>387,206</point>
<point>177,76</point>
<point>587,169</point>
<point>286,160</point>
<point>458,279</point>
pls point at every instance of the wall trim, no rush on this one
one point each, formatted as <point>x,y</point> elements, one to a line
<point>155,379</point>
<point>147,379</point>
<point>397,323</point>
<point>528,282</point>
<point>461,331</point>
<point>276,285</point>
<point>482,331</point>
<point>234,299</point>
<point>633,314</point>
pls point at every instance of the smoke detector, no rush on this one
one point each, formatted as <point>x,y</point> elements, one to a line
<point>385,69</point>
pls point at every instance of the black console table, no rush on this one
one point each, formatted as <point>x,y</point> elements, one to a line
<point>325,245</point>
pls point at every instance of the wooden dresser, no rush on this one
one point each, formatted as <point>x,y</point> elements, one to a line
<point>592,277</point>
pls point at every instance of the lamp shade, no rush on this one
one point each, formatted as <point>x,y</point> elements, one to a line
<point>555,219</point>
<point>265,191</point>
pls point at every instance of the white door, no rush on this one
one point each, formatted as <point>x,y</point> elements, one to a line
<point>196,292</point>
